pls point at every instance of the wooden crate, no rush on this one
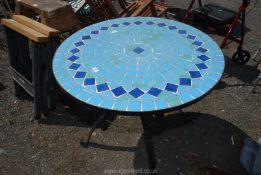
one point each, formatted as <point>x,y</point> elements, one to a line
<point>56,14</point>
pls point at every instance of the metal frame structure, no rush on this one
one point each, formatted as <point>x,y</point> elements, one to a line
<point>240,56</point>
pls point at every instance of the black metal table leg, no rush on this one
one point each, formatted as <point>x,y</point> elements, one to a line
<point>149,144</point>
<point>98,121</point>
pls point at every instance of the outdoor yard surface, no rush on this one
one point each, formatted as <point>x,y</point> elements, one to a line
<point>220,122</point>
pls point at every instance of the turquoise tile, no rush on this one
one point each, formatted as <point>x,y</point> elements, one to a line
<point>95,100</point>
<point>148,105</point>
<point>134,106</point>
<point>120,105</point>
<point>161,104</point>
<point>107,103</point>
<point>184,98</point>
<point>84,96</point>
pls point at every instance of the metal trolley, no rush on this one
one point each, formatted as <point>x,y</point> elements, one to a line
<point>222,21</point>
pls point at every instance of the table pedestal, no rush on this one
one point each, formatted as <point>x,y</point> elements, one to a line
<point>148,133</point>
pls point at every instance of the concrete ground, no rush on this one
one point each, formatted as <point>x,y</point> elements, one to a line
<point>221,121</point>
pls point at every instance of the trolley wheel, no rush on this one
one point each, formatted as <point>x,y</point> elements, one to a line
<point>241,57</point>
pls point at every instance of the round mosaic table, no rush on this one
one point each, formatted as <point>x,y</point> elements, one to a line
<point>138,64</point>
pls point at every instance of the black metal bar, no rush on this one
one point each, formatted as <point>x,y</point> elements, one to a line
<point>11,45</point>
<point>45,67</point>
<point>153,10</point>
<point>50,77</point>
<point>22,81</point>
<point>243,16</point>
<point>185,117</point>
<point>96,123</point>
<point>200,3</point>
<point>189,11</point>
<point>149,144</point>
<point>37,79</point>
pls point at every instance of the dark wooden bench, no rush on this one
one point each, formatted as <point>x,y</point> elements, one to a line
<point>31,46</point>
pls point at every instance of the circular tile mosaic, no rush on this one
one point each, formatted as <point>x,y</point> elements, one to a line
<point>138,64</point>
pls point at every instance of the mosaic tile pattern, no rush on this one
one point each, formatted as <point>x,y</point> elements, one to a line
<point>138,64</point>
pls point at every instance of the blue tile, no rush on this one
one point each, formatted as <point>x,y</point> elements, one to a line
<point>201,66</point>
<point>134,106</point>
<point>195,74</point>
<point>118,91</point>
<point>80,74</point>
<point>182,32</point>
<point>138,50</point>
<point>185,98</point>
<point>86,37</point>
<point>94,100</point>
<point>161,104</point>
<point>95,32</point>
<point>150,23</point>
<point>120,105</point>
<point>203,57</point>
<point>89,81</point>
<point>172,27</point>
<point>202,50</point>
<point>115,25</point>
<point>136,93</point>
<point>126,23</point>
<point>107,103</point>
<point>75,50</point>
<point>74,66</point>
<point>198,43</point>
<point>80,43</point>
<point>102,87</point>
<point>104,28</point>
<point>148,105</point>
<point>171,87</point>
<point>84,96</point>
<point>73,58</point>
<point>161,24</point>
<point>154,91</point>
<point>185,81</point>
<point>137,22</point>
<point>191,37</point>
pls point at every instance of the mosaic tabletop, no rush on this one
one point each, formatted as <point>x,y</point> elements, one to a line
<point>138,64</point>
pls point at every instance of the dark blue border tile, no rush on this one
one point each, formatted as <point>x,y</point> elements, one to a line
<point>78,44</point>
<point>154,91</point>
<point>102,87</point>
<point>75,50</point>
<point>185,81</point>
<point>80,74</point>
<point>195,74</point>
<point>89,81</point>
<point>203,57</point>
<point>73,58</point>
<point>201,66</point>
<point>74,66</point>
<point>86,37</point>
<point>95,32</point>
<point>136,93</point>
<point>171,87</point>
<point>118,91</point>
